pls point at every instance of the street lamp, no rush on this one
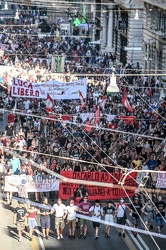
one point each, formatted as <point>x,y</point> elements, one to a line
<point>16,15</point>
<point>112,87</point>
<point>6,6</point>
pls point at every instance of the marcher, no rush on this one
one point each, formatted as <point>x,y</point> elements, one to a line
<point>60,214</point>
<point>45,211</point>
<point>20,213</point>
<point>121,216</point>
<point>109,212</point>
<point>148,214</point>
<point>80,192</point>
<point>160,207</point>
<point>135,212</point>
<point>71,218</point>
<point>96,211</point>
<point>31,220</point>
<point>84,208</point>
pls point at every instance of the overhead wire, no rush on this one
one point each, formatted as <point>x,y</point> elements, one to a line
<point>83,125</point>
<point>141,218</point>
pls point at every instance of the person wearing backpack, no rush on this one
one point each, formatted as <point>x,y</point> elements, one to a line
<point>96,211</point>
<point>121,216</point>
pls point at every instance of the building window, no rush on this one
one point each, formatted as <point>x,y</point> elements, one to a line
<point>161,22</point>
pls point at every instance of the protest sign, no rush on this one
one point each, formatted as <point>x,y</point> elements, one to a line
<point>33,183</point>
<point>56,90</point>
<point>67,189</point>
<point>161,180</point>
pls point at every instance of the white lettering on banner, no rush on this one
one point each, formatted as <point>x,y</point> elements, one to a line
<point>33,183</point>
<point>161,180</point>
<point>57,90</point>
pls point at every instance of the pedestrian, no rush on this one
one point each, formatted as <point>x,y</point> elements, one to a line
<point>84,208</point>
<point>96,211</point>
<point>71,218</point>
<point>45,211</point>
<point>60,214</point>
<point>160,207</point>
<point>31,220</point>
<point>20,213</point>
<point>109,212</point>
<point>121,216</point>
<point>80,192</point>
<point>148,214</point>
<point>135,212</point>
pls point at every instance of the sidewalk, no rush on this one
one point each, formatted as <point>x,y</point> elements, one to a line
<point>8,231</point>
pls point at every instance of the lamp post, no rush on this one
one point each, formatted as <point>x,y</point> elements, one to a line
<point>112,87</point>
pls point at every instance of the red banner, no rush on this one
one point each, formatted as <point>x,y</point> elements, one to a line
<point>67,189</point>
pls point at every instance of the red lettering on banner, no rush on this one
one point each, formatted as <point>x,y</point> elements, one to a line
<point>105,193</point>
<point>21,83</point>
<point>25,92</point>
<point>47,186</point>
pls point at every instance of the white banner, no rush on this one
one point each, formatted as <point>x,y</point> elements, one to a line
<point>161,180</point>
<point>57,90</point>
<point>31,183</point>
<point>85,116</point>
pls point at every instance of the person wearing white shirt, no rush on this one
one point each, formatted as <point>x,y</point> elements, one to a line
<point>96,212</point>
<point>60,212</point>
<point>71,218</point>
<point>121,210</point>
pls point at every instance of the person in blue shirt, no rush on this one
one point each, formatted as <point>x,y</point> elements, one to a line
<point>15,164</point>
<point>151,162</point>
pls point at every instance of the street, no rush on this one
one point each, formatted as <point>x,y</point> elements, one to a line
<point>9,237</point>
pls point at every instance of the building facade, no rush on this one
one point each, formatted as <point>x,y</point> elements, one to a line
<point>154,36</point>
<point>124,32</point>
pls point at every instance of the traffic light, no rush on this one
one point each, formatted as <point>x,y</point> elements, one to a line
<point>43,11</point>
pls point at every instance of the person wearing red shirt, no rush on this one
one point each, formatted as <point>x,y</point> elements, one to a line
<point>31,220</point>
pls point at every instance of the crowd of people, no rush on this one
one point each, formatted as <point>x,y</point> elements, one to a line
<point>56,145</point>
<point>140,215</point>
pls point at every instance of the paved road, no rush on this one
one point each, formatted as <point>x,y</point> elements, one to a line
<point>8,237</point>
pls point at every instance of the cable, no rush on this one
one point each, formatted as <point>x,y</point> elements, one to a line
<point>83,125</point>
<point>140,218</point>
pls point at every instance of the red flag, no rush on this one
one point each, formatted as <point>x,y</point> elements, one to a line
<point>49,103</point>
<point>65,117</point>
<point>126,103</point>
<point>93,121</point>
<point>53,117</point>
<point>82,100</point>
<point>127,119</point>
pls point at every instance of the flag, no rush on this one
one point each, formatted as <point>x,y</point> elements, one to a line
<point>103,102</point>
<point>127,119</point>
<point>51,117</point>
<point>49,103</point>
<point>82,100</point>
<point>65,117</point>
<point>93,121</point>
<point>126,103</point>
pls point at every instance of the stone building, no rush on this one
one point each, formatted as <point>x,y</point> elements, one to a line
<point>154,36</point>
<point>122,24</point>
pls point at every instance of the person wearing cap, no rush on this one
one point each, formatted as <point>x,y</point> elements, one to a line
<point>135,211</point>
<point>121,216</point>
<point>96,211</point>
<point>109,212</point>
<point>19,218</point>
<point>71,218</point>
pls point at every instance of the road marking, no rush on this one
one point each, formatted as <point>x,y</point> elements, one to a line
<point>138,237</point>
<point>36,239</point>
